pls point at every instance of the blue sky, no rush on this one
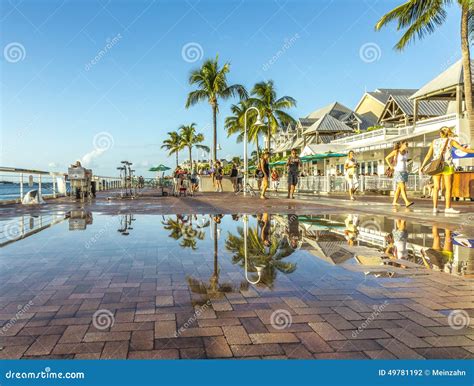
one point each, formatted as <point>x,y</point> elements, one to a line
<point>75,74</point>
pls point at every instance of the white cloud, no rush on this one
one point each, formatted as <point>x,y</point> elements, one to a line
<point>88,158</point>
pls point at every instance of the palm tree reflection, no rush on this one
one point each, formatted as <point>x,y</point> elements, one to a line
<point>212,289</point>
<point>183,229</point>
<point>265,250</point>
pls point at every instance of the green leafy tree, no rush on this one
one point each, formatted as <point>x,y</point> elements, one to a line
<point>173,144</point>
<point>419,18</point>
<point>190,139</point>
<point>211,86</point>
<point>264,97</point>
<point>235,123</point>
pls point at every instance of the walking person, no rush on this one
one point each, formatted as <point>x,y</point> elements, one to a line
<point>439,154</point>
<point>275,180</point>
<point>218,173</point>
<point>350,174</point>
<point>293,167</point>
<point>233,176</point>
<point>265,168</point>
<point>397,159</point>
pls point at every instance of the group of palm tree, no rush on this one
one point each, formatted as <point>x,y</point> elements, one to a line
<point>417,18</point>
<point>185,138</point>
<point>211,85</point>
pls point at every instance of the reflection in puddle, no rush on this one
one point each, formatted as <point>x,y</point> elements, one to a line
<point>265,245</point>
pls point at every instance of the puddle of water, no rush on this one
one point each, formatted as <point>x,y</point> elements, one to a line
<point>263,249</point>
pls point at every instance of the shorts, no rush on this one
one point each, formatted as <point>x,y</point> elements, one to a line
<point>400,177</point>
<point>292,179</point>
<point>218,178</point>
<point>447,170</point>
<point>352,181</point>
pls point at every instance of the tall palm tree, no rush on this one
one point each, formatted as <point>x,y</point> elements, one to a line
<point>211,83</point>
<point>419,18</point>
<point>190,139</point>
<point>271,107</point>
<point>235,123</point>
<point>173,144</point>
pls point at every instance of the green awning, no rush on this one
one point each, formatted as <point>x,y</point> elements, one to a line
<point>316,157</point>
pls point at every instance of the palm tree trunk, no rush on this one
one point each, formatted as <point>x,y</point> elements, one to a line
<point>190,159</point>
<point>466,63</point>
<point>258,151</point>
<point>214,124</point>
<point>269,134</point>
<point>177,161</point>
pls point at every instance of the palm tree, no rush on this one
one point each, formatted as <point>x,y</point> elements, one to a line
<point>190,139</point>
<point>211,83</point>
<point>184,231</point>
<point>271,107</point>
<point>235,124</point>
<point>173,144</point>
<point>419,18</point>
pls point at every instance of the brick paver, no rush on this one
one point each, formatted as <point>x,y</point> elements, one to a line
<point>170,302</point>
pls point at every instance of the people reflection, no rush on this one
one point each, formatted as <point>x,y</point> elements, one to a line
<point>400,239</point>
<point>293,231</point>
<point>352,229</point>
<point>439,257</point>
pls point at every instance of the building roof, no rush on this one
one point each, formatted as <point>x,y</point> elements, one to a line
<point>431,108</point>
<point>446,81</point>
<point>334,109</point>
<point>327,123</point>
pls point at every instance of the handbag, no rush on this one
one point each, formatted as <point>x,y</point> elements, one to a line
<point>436,166</point>
<point>389,171</point>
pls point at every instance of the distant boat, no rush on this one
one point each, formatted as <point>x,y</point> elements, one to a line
<point>6,183</point>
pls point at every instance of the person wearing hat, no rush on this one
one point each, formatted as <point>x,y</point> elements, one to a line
<point>441,147</point>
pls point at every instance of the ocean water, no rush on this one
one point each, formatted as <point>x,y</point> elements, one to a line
<point>12,191</point>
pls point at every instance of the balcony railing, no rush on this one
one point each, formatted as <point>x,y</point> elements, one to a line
<point>423,126</point>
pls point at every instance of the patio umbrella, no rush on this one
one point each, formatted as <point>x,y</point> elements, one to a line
<point>159,168</point>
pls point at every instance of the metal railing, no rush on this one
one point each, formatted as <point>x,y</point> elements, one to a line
<point>16,182</point>
<point>431,124</point>
<point>338,184</point>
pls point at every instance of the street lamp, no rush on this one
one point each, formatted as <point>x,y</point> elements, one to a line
<point>258,122</point>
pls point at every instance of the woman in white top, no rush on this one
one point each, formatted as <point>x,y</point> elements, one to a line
<point>445,142</point>
<point>397,159</point>
<point>350,174</point>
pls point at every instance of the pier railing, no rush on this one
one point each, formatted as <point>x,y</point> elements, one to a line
<point>16,182</point>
